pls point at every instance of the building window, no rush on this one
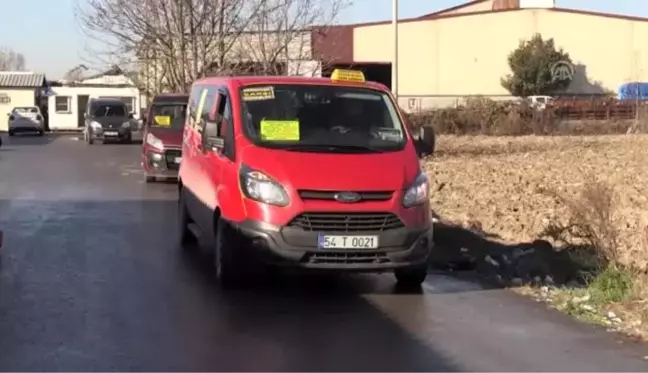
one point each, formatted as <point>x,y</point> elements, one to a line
<point>62,104</point>
<point>130,103</point>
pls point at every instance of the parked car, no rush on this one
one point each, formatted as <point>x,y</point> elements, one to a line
<point>163,128</point>
<point>108,119</point>
<point>26,119</point>
<point>316,174</point>
<point>540,102</point>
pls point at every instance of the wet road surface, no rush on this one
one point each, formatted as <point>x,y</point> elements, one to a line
<point>91,279</point>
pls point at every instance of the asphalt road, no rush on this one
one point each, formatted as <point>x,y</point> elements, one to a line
<point>90,279</point>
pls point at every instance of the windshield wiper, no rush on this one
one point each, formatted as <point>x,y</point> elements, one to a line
<point>333,148</point>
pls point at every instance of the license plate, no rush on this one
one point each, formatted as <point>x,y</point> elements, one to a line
<point>110,133</point>
<point>347,242</point>
<point>178,160</point>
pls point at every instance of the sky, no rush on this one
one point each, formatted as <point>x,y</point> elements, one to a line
<point>52,43</point>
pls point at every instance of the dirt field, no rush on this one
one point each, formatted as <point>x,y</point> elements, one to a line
<point>496,183</point>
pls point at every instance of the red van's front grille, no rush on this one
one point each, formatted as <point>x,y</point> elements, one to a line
<point>347,222</point>
<point>170,156</point>
<point>346,257</point>
<point>330,195</point>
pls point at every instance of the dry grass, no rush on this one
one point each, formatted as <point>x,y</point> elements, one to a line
<point>578,190</point>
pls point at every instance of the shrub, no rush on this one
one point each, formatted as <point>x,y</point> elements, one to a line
<point>590,220</point>
<point>482,116</point>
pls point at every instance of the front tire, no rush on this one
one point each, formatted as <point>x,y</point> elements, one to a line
<point>411,276</point>
<point>227,259</point>
<point>11,133</point>
<point>187,238</point>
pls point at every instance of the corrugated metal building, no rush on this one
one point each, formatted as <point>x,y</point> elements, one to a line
<point>462,51</point>
<point>18,89</point>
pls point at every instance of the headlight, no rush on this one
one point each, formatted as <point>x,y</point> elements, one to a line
<point>154,142</point>
<point>260,187</point>
<point>126,125</point>
<point>418,192</point>
<point>95,125</point>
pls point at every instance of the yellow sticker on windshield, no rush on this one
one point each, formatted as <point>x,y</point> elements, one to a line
<point>280,130</point>
<point>258,94</point>
<point>163,120</point>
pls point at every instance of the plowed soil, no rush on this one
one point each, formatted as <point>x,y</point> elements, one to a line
<point>497,183</point>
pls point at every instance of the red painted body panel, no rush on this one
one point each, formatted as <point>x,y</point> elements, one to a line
<point>214,179</point>
<point>171,138</point>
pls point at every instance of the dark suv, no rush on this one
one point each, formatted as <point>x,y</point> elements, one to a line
<point>108,119</point>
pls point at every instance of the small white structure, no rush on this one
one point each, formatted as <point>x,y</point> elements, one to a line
<point>68,102</point>
<point>18,88</point>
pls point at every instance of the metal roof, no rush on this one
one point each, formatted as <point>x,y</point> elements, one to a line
<point>21,79</point>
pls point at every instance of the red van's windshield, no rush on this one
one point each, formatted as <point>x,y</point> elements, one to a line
<point>168,115</point>
<point>321,118</point>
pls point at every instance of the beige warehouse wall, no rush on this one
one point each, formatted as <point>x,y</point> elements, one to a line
<point>612,50</point>
<point>466,55</point>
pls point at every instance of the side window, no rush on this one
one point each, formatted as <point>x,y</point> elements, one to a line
<point>208,104</point>
<point>224,117</point>
<point>193,104</point>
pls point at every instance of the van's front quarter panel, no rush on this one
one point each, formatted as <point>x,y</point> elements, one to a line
<point>290,235</point>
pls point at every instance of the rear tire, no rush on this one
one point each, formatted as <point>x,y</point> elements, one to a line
<point>411,276</point>
<point>229,269</point>
<point>41,133</point>
<point>149,179</point>
<point>11,133</point>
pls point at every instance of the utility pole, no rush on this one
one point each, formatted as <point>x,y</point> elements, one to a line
<point>394,67</point>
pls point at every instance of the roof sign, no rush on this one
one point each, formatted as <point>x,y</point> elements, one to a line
<point>340,75</point>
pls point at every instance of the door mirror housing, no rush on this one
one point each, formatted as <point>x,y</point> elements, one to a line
<point>211,139</point>
<point>425,142</point>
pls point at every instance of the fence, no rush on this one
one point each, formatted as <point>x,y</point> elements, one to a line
<point>599,109</point>
<point>563,116</point>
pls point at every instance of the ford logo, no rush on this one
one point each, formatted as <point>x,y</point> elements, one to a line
<point>347,197</point>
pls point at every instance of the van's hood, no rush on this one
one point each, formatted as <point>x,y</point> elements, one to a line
<point>168,136</point>
<point>344,172</point>
<point>110,122</point>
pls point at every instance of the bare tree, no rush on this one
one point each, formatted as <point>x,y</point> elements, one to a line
<point>279,41</point>
<point>11,60</point>
<point>172,41</point>
<point>75,74</point>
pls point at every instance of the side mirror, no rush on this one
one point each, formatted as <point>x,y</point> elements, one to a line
<point>85,115</point>
<point>211,139</point>
<point>130,116</point>
<point>426,141</point>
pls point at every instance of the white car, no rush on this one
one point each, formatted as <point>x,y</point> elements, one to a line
<point>26,119</point>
